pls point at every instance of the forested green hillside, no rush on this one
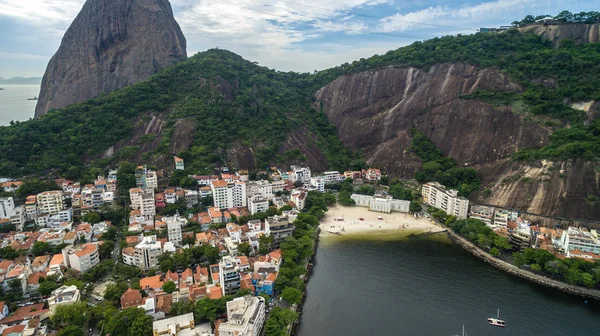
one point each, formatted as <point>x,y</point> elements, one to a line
<point>263,106</point>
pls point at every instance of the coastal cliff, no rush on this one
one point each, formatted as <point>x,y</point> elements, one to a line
<point>110,45</point>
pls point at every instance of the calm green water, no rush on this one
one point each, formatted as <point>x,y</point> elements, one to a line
<point>430,287</point>
<point>14,104</point>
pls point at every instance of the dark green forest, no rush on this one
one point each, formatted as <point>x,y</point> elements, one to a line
<point>239,103</point>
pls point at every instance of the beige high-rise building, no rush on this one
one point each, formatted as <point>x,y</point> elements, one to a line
<point>50,202</point>
<point>436,195</point>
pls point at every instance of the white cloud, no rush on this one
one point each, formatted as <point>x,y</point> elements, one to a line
<point>459,16</point>
<point>41,12</point>
<point>267,24</point>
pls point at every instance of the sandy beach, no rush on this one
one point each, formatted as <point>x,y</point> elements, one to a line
<point>340,220</point>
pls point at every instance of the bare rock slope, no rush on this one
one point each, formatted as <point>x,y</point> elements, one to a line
<point>374,111</point>
<point>578,33</point>
<point>110,44</point>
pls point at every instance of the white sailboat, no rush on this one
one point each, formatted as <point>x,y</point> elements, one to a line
<point>464,333</point>
<point>497,322</point>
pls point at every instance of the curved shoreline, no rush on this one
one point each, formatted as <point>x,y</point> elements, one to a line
<point>514,270</point>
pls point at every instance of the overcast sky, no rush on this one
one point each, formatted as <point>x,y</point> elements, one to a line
<point>299,35</point>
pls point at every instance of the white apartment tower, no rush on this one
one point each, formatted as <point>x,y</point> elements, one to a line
<point>174,232</point>
<point>7,207</point>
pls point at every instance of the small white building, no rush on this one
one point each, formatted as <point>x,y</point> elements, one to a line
<point>318,182</point>
<point>257,203</point>
<point>181,325</point>
<point>64,295</point>
<point>178,163</point>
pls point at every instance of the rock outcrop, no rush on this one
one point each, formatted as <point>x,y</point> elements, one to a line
<point>374,112</point>
<point>110,44</point>
<point>578,33</point>
<point>558,189</point>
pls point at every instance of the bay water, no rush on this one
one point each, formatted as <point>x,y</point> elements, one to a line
<point>429,286</point>
<point>14,105</point>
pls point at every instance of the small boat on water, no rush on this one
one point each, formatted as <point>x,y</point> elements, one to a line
<point>497,322</point>
<point>34,98</point>
<point>1,89</point>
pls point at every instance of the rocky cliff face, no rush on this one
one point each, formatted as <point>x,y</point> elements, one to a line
<point>579,33</point>
<point>110,44</point>
<point>374,111</point>
<point>558,189</point>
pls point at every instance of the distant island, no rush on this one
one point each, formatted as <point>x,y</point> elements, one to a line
<point>21,81</point>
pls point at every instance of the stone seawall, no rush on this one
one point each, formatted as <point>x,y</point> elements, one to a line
<point>514,270</point>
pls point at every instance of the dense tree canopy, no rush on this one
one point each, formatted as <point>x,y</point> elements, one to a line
<point>441,169</point>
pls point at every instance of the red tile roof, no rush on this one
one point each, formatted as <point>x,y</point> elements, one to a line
<point>131,298</point>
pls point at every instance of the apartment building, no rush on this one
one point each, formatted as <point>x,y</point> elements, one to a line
<point>18,217</point>
<point>318,182</point>
<point>145,178</point>
<point>82,257</point>
<point>146,253</point>
<point>7,206</point>
<point>298,197</point>
<point>229,275</point>
<point>301,174</point>
<point>257,203</point>
<point>262,187</point>
<point>50,202</point>
<point>228,194</point>
<point>279,227</point>
<point>438,196</point>
<point>332,177</point>
<point>245,317</point>
<point>483,213</point>
<point>143,200</point>
<point>31,210</point>
<point>580,239</point>
<point>520,237</point>
<point>277,186</point>
<point>174,232</point>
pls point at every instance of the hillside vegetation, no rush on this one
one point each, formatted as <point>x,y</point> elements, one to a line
<point>231,98</point>
<point>236,101</point>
